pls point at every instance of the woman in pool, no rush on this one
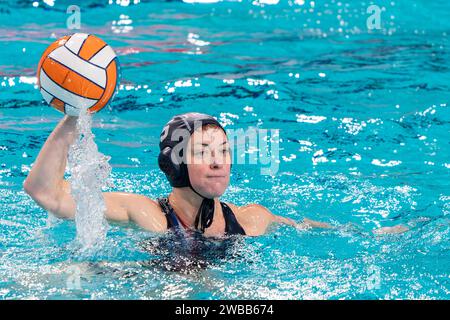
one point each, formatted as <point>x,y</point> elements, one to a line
<point>194,155</point>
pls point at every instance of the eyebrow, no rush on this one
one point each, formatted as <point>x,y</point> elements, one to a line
<point>207,144</point>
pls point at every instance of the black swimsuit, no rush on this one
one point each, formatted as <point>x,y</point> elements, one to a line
<point>187,251</point>
<point>232,226</point>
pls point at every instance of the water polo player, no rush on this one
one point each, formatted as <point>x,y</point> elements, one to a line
<point>195,157</point>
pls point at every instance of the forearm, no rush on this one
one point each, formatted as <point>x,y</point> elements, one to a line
<point>305,224</point>
<point>308,223</point>
<point>47,173</point>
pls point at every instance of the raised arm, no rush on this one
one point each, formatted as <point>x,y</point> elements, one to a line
<point>45,182</point>
<point>46,185</point>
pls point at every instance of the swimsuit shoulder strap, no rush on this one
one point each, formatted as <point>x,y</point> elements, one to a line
<point>232,226</point>
<point>172,221</point>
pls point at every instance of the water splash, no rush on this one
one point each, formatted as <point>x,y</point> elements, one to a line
<point>89,171</point>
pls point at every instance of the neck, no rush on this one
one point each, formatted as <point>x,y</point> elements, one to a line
<point>186,203</point>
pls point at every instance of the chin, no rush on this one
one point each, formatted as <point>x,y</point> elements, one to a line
<point>214,191</point>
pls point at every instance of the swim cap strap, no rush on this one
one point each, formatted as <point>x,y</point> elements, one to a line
<point>205,214</point>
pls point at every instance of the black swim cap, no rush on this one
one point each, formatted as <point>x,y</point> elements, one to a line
<point>173,142</point>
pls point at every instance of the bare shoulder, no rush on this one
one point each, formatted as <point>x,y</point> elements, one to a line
<point>254,218</point>
<point>140,209</point>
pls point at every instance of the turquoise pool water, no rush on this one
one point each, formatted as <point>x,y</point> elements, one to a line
<point>363,121</point>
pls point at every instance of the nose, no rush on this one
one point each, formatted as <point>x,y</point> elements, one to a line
<point>216,160</point>
<point>216,166</point>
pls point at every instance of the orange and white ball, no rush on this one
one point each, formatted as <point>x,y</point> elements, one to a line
<point>78,72</point>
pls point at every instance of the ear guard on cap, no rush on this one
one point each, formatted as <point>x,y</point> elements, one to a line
<point>176,173</point>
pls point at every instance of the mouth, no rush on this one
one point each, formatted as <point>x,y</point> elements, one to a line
<point>215,177</point>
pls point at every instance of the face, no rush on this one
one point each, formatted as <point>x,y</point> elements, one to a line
<point>209,161</point>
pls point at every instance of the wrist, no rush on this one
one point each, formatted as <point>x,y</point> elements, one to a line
<point>66,130</point>
<point>70,119</point>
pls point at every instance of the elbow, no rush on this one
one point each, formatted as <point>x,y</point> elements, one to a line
<point>27,186</point>
<point>36,193</point>
<point>31,189</point>
<point>42,198</point>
